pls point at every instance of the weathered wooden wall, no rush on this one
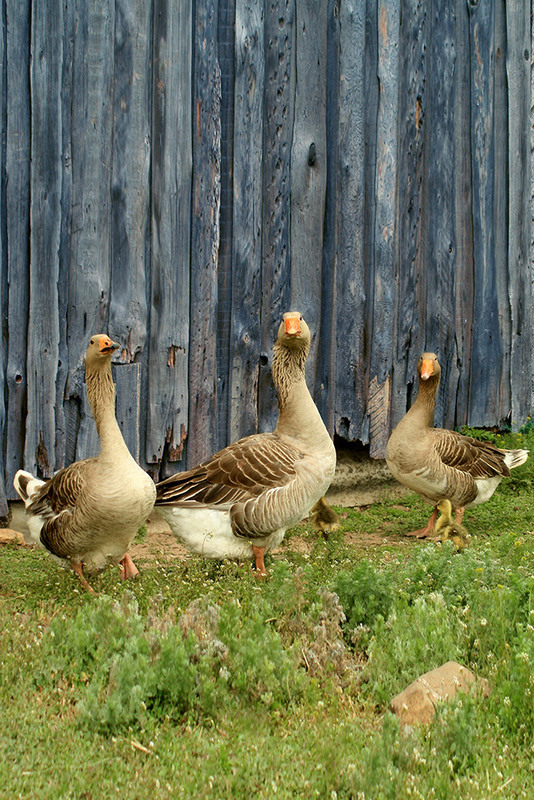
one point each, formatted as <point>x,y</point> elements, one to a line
<point>179,174</point>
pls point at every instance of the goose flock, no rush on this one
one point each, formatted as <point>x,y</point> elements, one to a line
<point>240,502</point>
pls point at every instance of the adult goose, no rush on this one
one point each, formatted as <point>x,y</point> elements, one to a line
<point>240,502</point>
<point>88,513</point>
<point>442,464</point>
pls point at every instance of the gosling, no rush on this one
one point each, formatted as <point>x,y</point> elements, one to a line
<point>447,527</point>
<point>324,518</point>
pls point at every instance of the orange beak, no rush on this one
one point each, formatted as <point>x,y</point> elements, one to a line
<point>427,370</point>
<point>107,346</point>
<point>292,326</point>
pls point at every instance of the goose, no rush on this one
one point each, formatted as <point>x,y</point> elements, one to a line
<point>88,513</point>
<point>240,502</point>
<point>443,464</point>
<point>447,528</point>
<point>324,517</point>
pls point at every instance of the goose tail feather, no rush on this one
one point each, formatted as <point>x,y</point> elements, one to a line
<point>514,458</point>
<point>26,485</point>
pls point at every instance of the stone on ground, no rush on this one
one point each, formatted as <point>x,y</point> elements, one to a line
<point>417,703</point>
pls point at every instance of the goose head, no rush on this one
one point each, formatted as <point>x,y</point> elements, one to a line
<point>100,350</point>
<point>428,367</point>
<point>293,332</point>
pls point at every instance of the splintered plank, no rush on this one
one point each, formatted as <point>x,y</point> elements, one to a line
<point>378,408</point>
<point>276,216</point>
<point>17,192</point>
<point>385,190</point>
<point>45,215</point>
<point>168,394</point>
<point>130,217</point>
<point>247,217</point>
<point>348,390</point>
<point>308,167</point>
<point>205,236</point>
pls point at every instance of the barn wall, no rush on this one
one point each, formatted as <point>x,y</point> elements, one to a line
<point>179,174</point>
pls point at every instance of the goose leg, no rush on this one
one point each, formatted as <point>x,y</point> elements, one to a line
<point>460,515</point>
<point>259,553</point>
<point>128,568</point>
<point>428,530</point>
<point>78,570</point>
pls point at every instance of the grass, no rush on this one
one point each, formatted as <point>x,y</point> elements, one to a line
<point>200,680</point>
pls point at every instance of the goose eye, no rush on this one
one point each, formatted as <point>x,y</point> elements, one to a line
<point>300,316</point>
<point>92,341</point>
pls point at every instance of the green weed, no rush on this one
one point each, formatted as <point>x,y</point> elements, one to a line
<point>199,680</point>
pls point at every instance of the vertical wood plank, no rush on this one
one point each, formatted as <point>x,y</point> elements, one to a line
<point>276,215</point>
<point>127,379</point>
<point>411,266</point>
<point>17,242</point>
<point>349,398</point>
<point>531,215</point>
<point>485,371</point>
<point>247,211</point>
<point>308,167</point>
<point>226,56</point>
<point>463,189</point>
<point>45,215</point>
<point>3,252</point>
<point>89,268</point>
<point>438,264</point>
<point>64,440</point>
<point>372,90</point>
<point>205,236</point>
<point>384,230</point>
<point>518,56</point>
<point>498,89</point>
<point>130,218</point>
<point>168,378</point>
<point>323,388</point>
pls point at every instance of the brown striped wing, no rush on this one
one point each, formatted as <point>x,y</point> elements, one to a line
<point>60,493</point>
<point>241,471</point>
<point>478,459</point>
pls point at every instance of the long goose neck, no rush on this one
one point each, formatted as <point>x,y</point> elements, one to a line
<point>101,394</point>
<point>298,415</point>
<point>423,408</point>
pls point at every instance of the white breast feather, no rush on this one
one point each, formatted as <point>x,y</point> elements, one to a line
<point>208,532</point>
<point>485,489</point>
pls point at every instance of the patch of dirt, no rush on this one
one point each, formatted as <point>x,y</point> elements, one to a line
<point>158,544</point>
